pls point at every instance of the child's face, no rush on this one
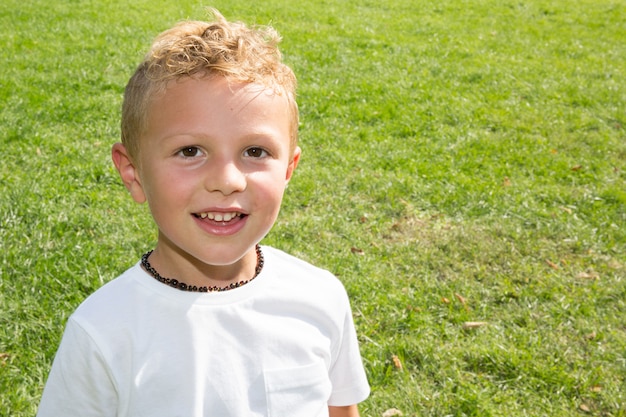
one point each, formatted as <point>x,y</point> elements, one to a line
<point>213,165</point>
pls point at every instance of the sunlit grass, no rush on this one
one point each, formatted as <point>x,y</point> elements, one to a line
<point>462,162</point>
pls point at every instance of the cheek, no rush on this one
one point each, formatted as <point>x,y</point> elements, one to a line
<point>268,189</point>
<point>167,189</point>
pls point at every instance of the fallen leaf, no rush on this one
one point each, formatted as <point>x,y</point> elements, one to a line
<point>552,264</point>
<point>392,412</point>
<point>357,251</point>
<point>585,408</point>
<point>396,362</point>
<point>506,182</point>
<point>445,300</point>
<point>577,168</point>
<point>473,324</point>
<point>588,275</point>
<point>3,358</point>
<point>461,299</point>
<point>596,388</point>
<point>591,336</point>
<point>566,209</point>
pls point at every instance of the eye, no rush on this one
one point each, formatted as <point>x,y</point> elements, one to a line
<point>255,152</point>
<point>189,152</point>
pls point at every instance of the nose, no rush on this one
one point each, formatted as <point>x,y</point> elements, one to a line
<point>225,176</point>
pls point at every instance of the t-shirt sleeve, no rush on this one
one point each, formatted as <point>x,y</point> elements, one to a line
<point>79,383</point>
<point>347,374</point>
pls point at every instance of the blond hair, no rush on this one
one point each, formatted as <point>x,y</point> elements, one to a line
<point>194,48</point>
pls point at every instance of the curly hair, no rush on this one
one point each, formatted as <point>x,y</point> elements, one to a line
<point>193,48</point>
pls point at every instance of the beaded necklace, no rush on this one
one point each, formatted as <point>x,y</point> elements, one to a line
<point>186,287</point>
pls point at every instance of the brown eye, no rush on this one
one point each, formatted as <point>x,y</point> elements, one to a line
<point>256,152</point>
<point>189,152</point>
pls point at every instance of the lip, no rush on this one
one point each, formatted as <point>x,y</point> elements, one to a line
<point>211,221</point>
<point>217,209</point>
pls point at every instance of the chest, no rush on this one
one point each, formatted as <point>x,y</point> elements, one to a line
<point>254,360</point>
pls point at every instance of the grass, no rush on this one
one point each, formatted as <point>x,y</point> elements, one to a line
<point>463,162</point>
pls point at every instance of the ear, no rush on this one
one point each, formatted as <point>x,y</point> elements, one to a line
<point>293,164</point>
<point>128,172</point>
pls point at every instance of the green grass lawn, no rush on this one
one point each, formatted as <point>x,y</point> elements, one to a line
<point>462,162</point>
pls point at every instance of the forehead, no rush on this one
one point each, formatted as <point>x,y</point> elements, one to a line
<point>190,91</point>
<point>203,104</point>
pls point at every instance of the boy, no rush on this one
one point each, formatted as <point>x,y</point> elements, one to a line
<point>210,323</point>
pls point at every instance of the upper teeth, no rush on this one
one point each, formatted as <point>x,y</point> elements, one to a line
<point>220,217</point>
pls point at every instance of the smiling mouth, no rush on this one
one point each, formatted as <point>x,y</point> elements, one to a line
<point>219,217</point>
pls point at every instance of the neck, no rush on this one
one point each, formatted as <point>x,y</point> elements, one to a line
<point>171,266</point>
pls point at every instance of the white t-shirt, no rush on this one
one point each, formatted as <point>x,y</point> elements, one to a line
<point>282,345</point>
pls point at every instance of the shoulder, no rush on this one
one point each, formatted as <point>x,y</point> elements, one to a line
<point>115,298</point>
<point>302,282</point>
<point>287,266</point>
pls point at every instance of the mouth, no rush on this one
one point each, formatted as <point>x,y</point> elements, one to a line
<point>219,216</point>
